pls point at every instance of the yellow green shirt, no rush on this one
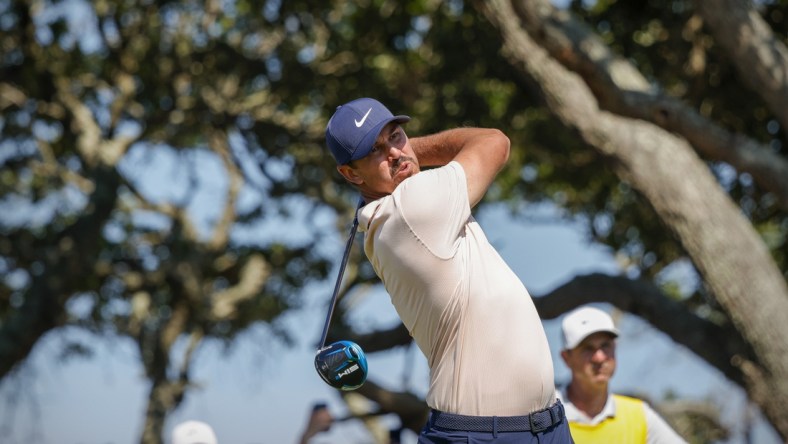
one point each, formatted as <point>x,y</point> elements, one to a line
<point>627,426</point>
<point>623,420</point>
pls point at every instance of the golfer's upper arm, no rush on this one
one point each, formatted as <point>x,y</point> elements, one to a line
<point>482,158</point>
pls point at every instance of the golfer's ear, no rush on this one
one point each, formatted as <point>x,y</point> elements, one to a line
<point>565,356</point>
<point>349,174</point>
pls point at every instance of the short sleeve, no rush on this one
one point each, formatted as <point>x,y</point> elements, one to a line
<point>434,204</point>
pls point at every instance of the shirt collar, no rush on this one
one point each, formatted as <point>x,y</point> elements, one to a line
<point>573,414</point>
<point>366,213</point>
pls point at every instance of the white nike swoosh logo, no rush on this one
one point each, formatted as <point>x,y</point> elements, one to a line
<point>363,119</point>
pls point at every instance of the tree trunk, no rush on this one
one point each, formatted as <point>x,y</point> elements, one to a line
<point>667,172</point>
<point>163,398</point>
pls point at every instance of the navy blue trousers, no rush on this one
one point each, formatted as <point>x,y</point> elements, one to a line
<point>557,434</point>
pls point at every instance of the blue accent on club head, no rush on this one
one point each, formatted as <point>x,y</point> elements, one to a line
<point>342,365</point>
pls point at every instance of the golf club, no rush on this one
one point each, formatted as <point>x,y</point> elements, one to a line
<point>342,364</point>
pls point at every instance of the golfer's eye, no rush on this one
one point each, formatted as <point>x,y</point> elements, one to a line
<point>396,135</point>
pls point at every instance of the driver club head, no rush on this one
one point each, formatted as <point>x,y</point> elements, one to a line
<point>342,365</point>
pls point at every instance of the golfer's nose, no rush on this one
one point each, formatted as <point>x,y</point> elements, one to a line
<point>394,153</point>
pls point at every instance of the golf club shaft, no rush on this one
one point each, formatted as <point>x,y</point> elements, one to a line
<point>345,257</point>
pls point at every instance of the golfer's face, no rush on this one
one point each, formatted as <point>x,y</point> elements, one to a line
<point>594,359</point>
<point>391,161</point>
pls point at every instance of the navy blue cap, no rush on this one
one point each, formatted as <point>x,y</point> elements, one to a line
<point>354,127</point>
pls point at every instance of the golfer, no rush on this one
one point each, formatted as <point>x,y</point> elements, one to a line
<point>491,372</point>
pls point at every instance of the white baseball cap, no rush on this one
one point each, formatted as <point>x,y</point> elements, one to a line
<point>193,432</point>
<point>583,322</point>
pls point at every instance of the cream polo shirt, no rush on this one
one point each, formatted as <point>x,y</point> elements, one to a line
<point>466,309</point>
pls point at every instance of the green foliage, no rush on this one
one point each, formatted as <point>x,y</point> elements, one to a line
<point>252,84</point>
<point>667,42</point>
<point>173,73</point>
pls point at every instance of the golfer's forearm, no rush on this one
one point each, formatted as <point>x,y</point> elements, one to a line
<point>441,148</point>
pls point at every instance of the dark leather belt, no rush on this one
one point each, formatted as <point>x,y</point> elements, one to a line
<point>535,422</point>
